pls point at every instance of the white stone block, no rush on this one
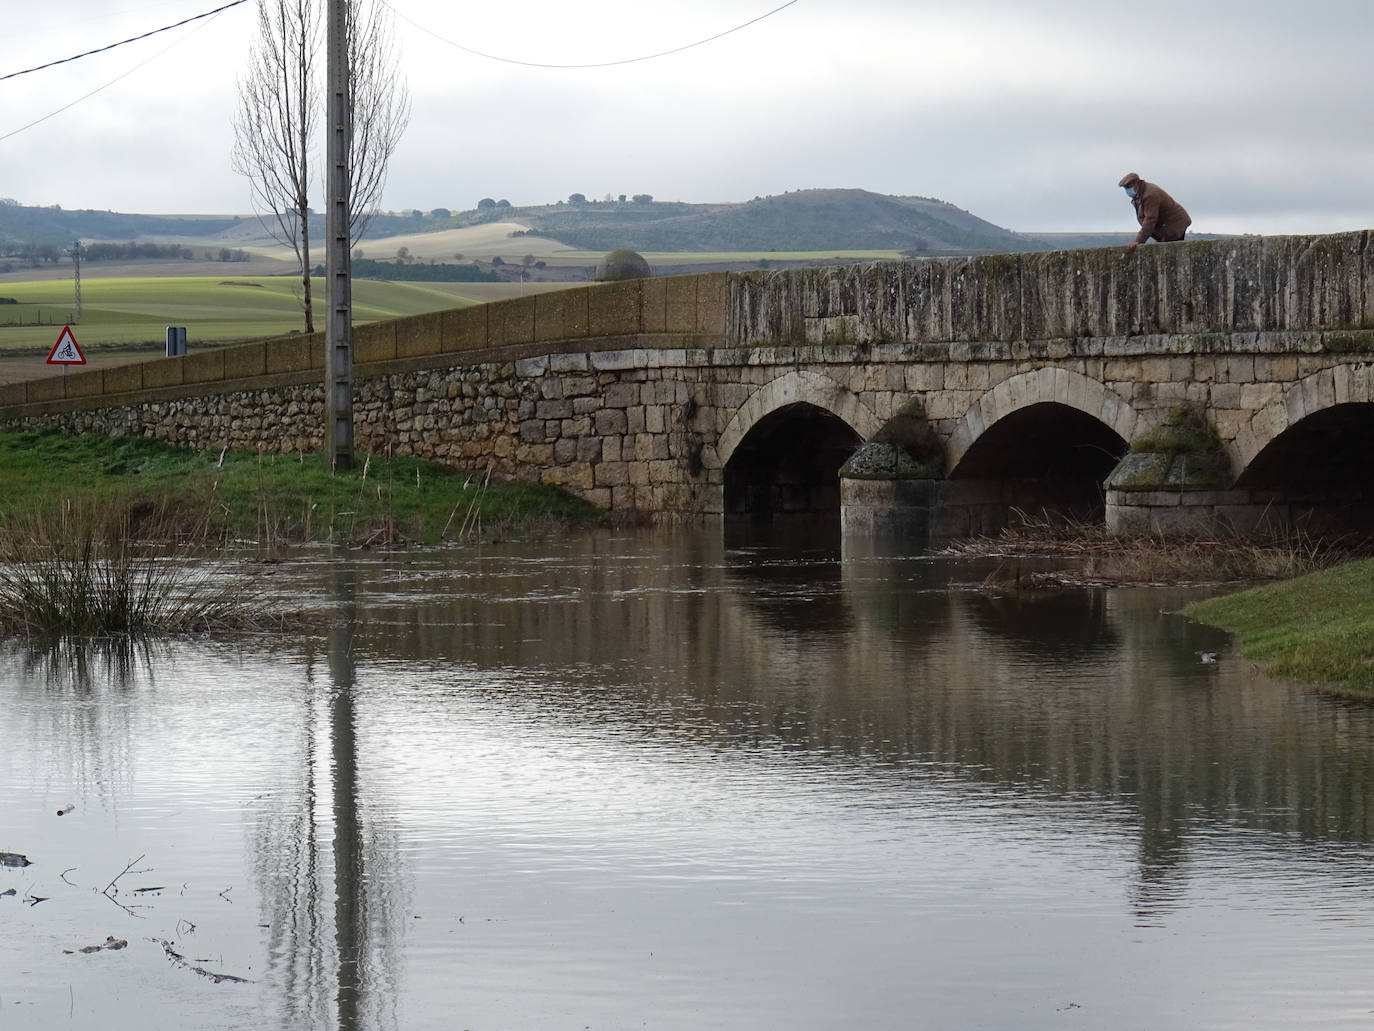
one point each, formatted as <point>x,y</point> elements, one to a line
<point>567,362</point>
<point>612,361</point>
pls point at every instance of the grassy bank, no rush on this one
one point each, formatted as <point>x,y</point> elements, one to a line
<point>1318,628</point>
<point>273,500</point>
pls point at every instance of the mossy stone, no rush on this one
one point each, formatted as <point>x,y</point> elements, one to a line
<point>880,460</point>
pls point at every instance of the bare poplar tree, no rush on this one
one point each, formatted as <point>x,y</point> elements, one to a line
<point>274,127</point>
<point>380,101</point>
<point>279,108</point>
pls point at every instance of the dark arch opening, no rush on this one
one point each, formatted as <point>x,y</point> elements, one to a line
<point>1318,470</point>
<point>789,464</point>
<point>1050,461</point>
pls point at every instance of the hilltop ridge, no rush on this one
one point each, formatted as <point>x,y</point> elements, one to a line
<point>811,220</point>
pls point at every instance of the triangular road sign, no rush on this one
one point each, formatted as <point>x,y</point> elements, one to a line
<point>66,351</point>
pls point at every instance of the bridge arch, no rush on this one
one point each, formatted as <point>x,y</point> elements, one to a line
<point>796,387</point>
<point>1350,383</point>
<point>1042,443</point>
<point>1049,385</point>
<point>782,451</point>
<point>1305,454</point>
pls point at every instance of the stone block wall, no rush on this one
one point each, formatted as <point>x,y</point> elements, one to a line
<point>600,317</point>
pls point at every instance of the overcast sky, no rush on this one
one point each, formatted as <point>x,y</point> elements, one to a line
<point>1257,115</point>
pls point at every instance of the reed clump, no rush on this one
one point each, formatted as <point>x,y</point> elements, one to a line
<point>85,573</point>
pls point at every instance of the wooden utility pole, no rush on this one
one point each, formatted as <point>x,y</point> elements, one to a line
<point>338,349</point>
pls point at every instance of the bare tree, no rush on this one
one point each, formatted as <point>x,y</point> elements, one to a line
<point>380,101</point>
<point>274,127</point>
<point>278,112</point>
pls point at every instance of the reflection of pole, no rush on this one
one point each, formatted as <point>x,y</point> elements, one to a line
<point>338,354</point>
<point>349,916</point>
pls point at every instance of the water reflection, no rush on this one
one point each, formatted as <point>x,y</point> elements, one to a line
<point>87,719</point>
<point>900,659</point>
<point>330,869</point>
<point>615,749</point>
<point>81,666</point>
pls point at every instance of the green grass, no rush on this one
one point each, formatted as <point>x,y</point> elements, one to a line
<point>272,500</point>
<point>123,311</point>
<point>1318,628</point>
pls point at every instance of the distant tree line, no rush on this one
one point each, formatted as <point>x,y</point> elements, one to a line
<point>32,253</point>
<point>638,198</point>
<point>132,251</point>
<point>36,254</point>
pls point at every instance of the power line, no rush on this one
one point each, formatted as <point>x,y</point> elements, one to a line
<point>131,39</point>
<point>122,75</point>
<point>599,64</point>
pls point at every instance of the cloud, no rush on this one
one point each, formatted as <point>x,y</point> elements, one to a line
<point>1025,113</point>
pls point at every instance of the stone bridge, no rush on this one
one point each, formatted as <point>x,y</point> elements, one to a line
<point>1176,388</point>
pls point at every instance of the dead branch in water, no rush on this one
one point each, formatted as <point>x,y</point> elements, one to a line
<point>181,961</point>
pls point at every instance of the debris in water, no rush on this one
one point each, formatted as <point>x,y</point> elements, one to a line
<point>182,961</point>
<point>14,859</point>
<point>11,891</point>
<point>64,812</point>
<point>111,943</point>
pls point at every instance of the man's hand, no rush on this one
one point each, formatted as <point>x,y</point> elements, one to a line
<point>1131,246</point>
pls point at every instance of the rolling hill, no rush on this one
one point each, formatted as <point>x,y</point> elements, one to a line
<point>802,220</point>
<point>820,220</point>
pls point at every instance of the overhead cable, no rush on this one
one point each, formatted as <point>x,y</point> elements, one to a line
<point>598,64</point>
<point>122,75</point>
<point>131,39</point>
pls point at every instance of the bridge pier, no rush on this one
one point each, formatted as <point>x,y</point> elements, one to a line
<point>1240,511</point>
<point>924,511</point>
<point>1193,512</point>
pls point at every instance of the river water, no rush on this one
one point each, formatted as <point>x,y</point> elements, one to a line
<point>664,780</point>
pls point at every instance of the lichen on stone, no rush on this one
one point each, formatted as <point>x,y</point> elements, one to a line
<point>1183,451</point>
<point>882,460</point>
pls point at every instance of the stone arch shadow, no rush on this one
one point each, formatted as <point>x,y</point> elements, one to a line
<point>782,450</point>
<point>1042,442</point>
<point>1304,456</point>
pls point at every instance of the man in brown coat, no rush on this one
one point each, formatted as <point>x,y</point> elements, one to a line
<point>1160,216</point>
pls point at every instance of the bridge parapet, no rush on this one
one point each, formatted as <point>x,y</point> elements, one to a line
<point>1245,285</point>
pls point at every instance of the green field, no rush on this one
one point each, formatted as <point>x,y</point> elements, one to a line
<point>118,313</point>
